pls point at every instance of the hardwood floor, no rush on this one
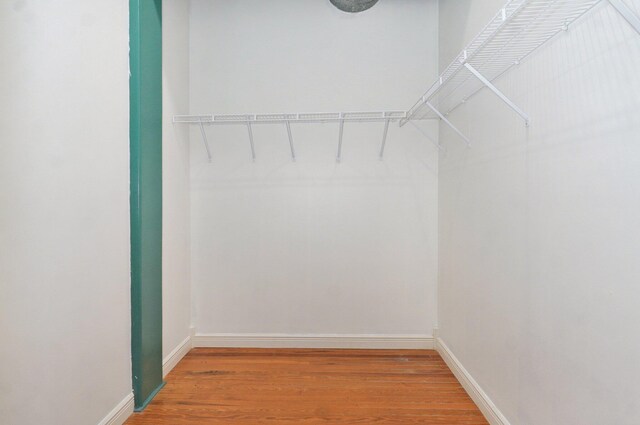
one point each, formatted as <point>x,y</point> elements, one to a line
<point>254,386</point>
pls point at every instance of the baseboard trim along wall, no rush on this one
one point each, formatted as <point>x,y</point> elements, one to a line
<point>314,341</point>
<point>480,398</point>
<point>174,357</point>
<point>120,413</point>
<point>124,409</point>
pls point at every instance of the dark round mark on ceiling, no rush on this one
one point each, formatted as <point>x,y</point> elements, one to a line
<point>354,6</point>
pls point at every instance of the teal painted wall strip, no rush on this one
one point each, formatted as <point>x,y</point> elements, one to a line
<point>145,32</point>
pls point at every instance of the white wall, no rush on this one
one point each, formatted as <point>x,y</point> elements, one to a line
<point>176,265</point>
<point>313,247</point>
<point>64,211</point>
<point>539,229</point>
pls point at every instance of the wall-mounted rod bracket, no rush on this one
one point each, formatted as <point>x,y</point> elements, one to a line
<point>446,121</point>
<point>253,149</point>
<point>384,138</point>
<point>339,155</point>
<point>293,152</point>
<point>497,92</point>
<point>627,13</point>
<point>205,141</point>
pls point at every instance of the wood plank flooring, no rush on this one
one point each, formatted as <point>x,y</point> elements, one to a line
<point>256,386</point>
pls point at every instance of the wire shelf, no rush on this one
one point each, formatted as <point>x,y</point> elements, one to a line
<point>249,120</point>
<point>516,31</point>
<point>519,28</point>
<point>307,117</point>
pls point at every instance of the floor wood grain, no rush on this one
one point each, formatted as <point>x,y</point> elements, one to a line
<point>257,386</point>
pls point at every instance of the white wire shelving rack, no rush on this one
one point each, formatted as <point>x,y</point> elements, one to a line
<point>249,120</point>
<point>515,32</point>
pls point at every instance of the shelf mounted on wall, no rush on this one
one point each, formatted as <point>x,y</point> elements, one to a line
<point>516,31</point>
<point>287,119</point>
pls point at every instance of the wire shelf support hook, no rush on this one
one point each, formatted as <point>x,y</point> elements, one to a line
<point>250,130</point>
<point>339,155</point>
<point>293,151</point>
<point>384,139</point>
<point>205,141</point>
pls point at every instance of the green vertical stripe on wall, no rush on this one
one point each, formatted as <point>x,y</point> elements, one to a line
<point>145,32</point>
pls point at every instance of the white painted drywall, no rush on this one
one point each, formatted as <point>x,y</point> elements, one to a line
<point>313,247</point>
<point>65,356</point>
<point>539,228</point>
<point>176,265</point>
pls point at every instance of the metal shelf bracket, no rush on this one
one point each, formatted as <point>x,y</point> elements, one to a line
<point>498,93</point>
<point>446,121</point>
<point>339,155</point>
<point>253,149</point>
<point>205,141</point>
<point>384,138</point>
<point>293,152</point>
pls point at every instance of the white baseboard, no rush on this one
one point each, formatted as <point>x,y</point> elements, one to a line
<point>176,355</point>
<point>120,413</point>
<point>480,398</point>
<point>314,341</point>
